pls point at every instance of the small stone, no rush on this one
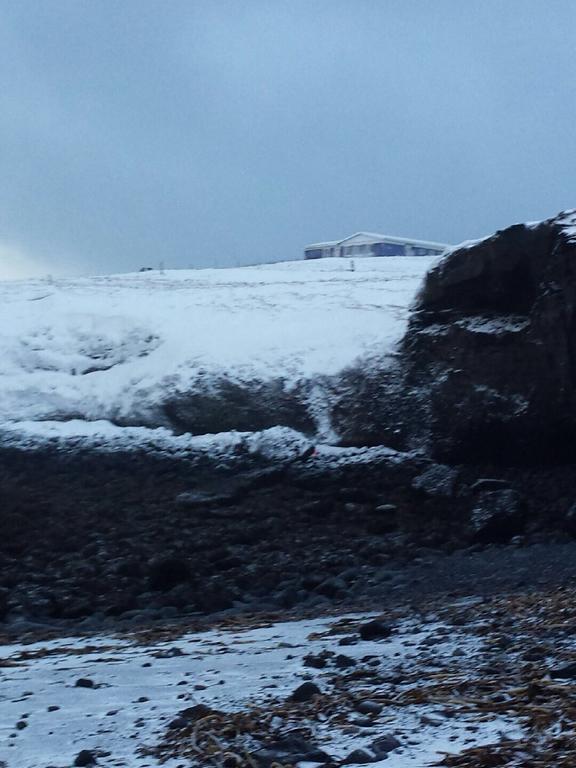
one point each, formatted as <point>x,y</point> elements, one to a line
<point>362,722</point>
<point>316,661</point>
<point>385,744</point>
<point>196,712</point>
<point>437,480</point>
<point>344,662</point>
<point>289,750</point>
<point>348,640</point>
<point>169,653</point>
<point>84,682</point>
<point>535,653</point>
<point>360,757</point>
<point>21,724</point>
<point>386,509</point>
<point>383,520</point>
<point>369,708</point>
<point>53,708</point>
<point>567,671</point>
<point>84,758</point>
<point>178,722</point>
<point>305,692</point>
<point>430,720</point>
<point>375,630</point>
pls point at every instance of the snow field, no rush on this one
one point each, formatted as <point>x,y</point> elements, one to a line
<point>115,348</point>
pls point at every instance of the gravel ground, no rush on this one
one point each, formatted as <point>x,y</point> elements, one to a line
<point>126,540</point>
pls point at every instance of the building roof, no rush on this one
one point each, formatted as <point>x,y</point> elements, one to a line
<point>374,237</point>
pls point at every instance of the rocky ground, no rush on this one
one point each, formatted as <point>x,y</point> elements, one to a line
<point>120,540</point>
<point>173,610</point>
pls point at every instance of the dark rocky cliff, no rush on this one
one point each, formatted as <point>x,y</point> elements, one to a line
<point>490,353</point>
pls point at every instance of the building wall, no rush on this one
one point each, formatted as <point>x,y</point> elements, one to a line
<point>370,249</point>
<point>313,253</point>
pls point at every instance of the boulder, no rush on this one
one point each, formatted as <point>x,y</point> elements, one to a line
<point>437,480</point>
<point>490,352</point>
<point>497,516</point>
<point>368,404</point>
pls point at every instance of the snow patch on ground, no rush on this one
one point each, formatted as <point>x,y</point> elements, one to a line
<point>277,444</point>
<point>141,683</point>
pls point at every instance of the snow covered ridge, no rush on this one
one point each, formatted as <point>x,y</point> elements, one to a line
<point>280,445</point>
<point>162,350</point>
<point>567,220</point>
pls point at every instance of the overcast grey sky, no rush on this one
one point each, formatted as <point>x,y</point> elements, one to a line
<point>216,132</point>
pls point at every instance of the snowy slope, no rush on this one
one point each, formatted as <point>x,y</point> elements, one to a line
<point>115,348</point>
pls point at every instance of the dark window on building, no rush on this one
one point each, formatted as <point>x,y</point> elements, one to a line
<point>388,249</point>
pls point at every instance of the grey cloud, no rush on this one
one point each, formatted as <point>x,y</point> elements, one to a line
<point>216,132</point>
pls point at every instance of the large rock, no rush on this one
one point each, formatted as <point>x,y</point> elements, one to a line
<point>367,404</point>
<point>490,352</point>
<point>497,516</point>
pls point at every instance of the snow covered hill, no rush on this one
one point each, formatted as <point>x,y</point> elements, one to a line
<point>136,349</point>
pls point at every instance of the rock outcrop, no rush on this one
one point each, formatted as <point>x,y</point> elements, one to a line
<point>490,352</point>
<point>222,405</point>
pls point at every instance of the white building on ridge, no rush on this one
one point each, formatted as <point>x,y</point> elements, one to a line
<point>373,244</point>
